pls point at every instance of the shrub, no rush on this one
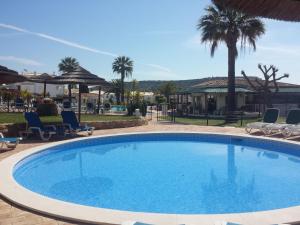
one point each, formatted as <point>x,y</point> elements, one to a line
<point>47,109</point>
<point>143,109</point>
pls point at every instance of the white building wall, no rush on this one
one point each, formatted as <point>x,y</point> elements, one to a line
<point>54,90</point>
<point>221,101</point>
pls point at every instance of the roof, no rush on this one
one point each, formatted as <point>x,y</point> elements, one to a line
<point>241,82</point>
<point>79,76</point>
<point>220,84</point>
<point>214,90</point>
<point>39,78</point>
<point>288,10</point>
<point>8,76</point>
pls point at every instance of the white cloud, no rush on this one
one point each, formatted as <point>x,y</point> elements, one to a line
<point>23,61</point>
<point>155,66</point>
<point>58,40</point>
<point>76,45</point>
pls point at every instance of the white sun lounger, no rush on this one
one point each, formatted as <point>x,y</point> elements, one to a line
<point>292,119</point>
<point>291,130</point>
<point>270,117</point>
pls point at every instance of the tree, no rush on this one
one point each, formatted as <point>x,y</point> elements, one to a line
<point>26,95</point>
<point>67,65</point>
<point>221,24</point>
<point>265,87</point>
<point>135,90</point>
<point>124,66</point>
<point>8,95</point>
<point>168,89</point>
<point>116,88</point>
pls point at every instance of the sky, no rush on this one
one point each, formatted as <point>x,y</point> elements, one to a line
<point>160,36</point>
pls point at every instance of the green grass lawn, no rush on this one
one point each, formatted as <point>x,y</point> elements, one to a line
<point>218,122</point>
<point>19,118</point>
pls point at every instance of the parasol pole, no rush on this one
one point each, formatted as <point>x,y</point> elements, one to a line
<point>45,87</point>
<point>79,103</point>
<point>99,100</point>
<point>70,93</point>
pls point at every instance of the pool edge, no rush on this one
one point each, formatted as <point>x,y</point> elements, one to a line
<point>19,195</point>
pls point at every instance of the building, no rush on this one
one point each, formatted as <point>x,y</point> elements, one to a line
<point>53,90</point>
<point>210,96</point>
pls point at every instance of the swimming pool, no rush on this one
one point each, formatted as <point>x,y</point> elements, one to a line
<point>118,108</point>
<point>167,173</point>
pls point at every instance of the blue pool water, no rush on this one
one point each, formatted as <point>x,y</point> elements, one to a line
<point>118,108</point>
<point>167,173</point>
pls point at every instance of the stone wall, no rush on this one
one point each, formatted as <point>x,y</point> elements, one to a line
<point>12,130</point>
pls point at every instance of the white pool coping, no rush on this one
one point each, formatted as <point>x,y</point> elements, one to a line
<point>19,195</point>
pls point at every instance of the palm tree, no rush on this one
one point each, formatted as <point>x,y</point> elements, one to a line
<point>221,24</point>
<point>67,65</point>
<point>124,66</point>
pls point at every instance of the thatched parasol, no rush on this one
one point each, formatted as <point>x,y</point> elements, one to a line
<point>288,10</point>
<point>82,77</point>
<point>8,76</point>
<point>43,78</point>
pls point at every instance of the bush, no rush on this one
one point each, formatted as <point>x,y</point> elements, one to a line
<point>47,109</point>
<point>143,109</point>
<point>130,109</point>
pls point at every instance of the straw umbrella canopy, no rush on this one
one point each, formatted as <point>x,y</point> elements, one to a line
<point>288,10</point>
<point>43,78</point>
<point>8,76</point>
<point>81,77</point>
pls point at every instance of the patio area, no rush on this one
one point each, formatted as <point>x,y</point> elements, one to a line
<point>10,214</point>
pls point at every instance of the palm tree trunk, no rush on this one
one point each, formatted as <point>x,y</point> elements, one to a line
<point>231,79</point>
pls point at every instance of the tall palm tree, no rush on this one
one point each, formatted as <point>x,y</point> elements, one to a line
<point>124,66</point>
<point>221,24</point>
<point>68,64</point>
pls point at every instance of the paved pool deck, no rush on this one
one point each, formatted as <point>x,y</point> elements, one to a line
<point>11,214</point>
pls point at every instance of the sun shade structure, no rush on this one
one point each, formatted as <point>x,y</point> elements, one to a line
<point>8,76</point>
<point>43,78</point>
<point>81,76</point>
<point>288,10</point>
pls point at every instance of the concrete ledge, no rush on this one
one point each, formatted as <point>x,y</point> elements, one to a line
<point>17,194</point>
<point>12,130</point>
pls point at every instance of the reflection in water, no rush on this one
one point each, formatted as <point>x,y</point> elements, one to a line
<point>83,189</point>
<point>271,155</point>
<point>237,194</point>
<point>293,159</point>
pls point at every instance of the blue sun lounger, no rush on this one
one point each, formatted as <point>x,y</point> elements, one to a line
<point>9,142</point>
<point>35,126</point>
<point>72,125</point>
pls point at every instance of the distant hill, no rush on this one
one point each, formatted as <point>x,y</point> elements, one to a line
<point>153,85</point>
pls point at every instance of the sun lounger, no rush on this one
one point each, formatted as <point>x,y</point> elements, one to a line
<point>291,130</point>
<point>72,125</point>
<point>35,126</point>
<point>271,116</point>
<point>293,118</point>
<point>9,142</point>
